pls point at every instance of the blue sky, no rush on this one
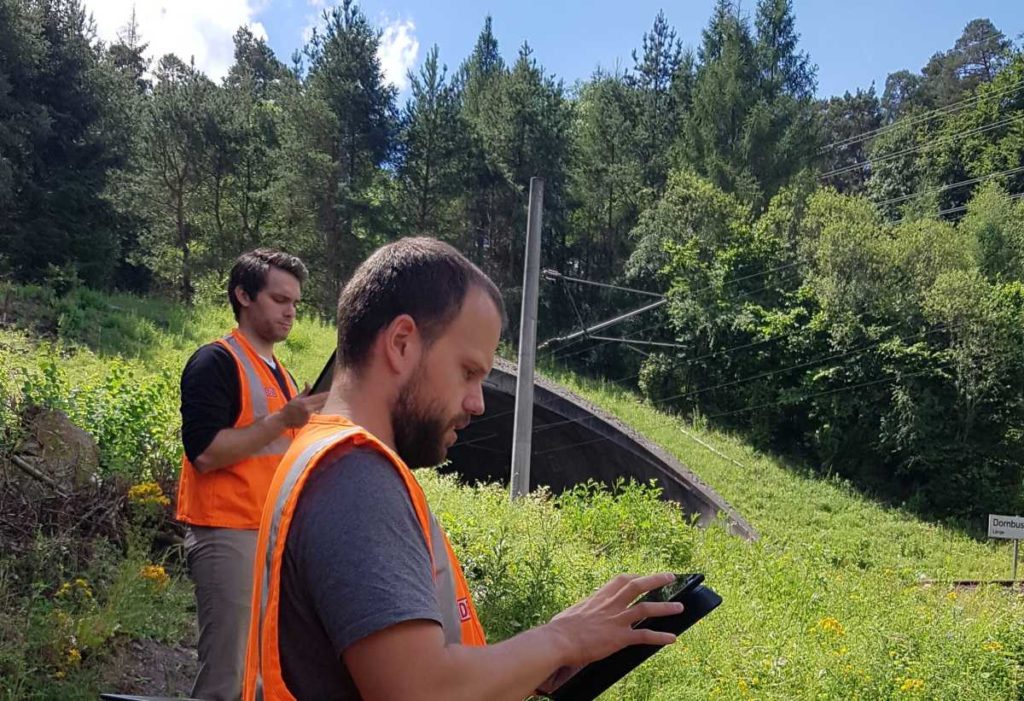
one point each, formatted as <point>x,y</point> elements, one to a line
<point>852,43</point>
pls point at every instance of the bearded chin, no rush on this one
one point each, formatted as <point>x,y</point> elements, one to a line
<point>419,432</point>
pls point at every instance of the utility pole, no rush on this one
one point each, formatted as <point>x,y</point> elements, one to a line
<point>522,432</point>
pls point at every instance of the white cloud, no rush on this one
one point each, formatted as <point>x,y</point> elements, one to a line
<point>199,28</point>
<point>398,50</point>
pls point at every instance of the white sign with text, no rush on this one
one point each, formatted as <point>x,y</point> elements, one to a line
<point>1006,527</point>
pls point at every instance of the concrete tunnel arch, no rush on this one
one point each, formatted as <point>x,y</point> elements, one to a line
<point>573,442</point>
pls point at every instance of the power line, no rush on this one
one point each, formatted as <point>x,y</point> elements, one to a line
<point>555,353</point>
<point>559,355</point>
<point>915,119</point>
<point>952,186</point>
<point>952,210</point>
<point>817,361</point>
<point>600,326</point>
<point>502,414</point>
<point>799,366</point>
<point>673,419</point>
<point>555,276</point>
<point>890,378</point>
<point>748,293</point>
<point>770,373</point>
<point>724,351</point>
<point>949,138</point>
<point>639,342</point>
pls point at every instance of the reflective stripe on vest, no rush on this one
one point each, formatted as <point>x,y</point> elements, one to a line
<point>233,496</point>
<point>279,445</point>
<point>458,614</point>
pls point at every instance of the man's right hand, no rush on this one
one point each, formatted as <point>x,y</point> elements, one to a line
<point>603,623</point>
<point>411,661</point>
<point>296,413</point>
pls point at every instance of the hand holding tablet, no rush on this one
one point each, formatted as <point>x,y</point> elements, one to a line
<point>592,680</point>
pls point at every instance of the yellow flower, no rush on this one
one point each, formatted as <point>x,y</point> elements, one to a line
<point>952,596</point>
<point>992,646</point>
<point>147,493</point>
<point>910,684</point>
<point>79,585</point>
<point>155,574</point>
<point>74,656</point>
<point>831,625</point>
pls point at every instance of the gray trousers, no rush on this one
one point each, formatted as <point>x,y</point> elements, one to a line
<point>220,562</point>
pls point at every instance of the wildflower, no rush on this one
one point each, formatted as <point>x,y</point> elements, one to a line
<point>831,625</point>
<point>910,684</point>
<point>147,493</point>
<point>74,656</point>
<point>155,574</point>
<point>952,596</point>
<point>992,646</point>
<point>74,588</point>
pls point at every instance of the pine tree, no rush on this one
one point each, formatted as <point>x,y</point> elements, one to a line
<point>345,73</point>
<point>57,158</point>
<point>657,112</point>
<point>605,176</point>
<point>434,144</point>
<point>170,190</point>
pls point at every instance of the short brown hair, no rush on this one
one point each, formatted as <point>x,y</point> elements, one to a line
<point>422,277</point>
<point>250,272</point>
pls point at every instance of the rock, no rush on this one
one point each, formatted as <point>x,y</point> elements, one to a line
<point>63,451</point>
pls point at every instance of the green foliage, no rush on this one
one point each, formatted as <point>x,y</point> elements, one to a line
<point>61,623</point>
<point>997,225</point>
<point>529,560</point>
<point>829,602</point>
<point>433,151</point>
<point>658,110</point>
<point>886,352</point>
<point>844,122</point>
<point>346,85</point>
<point>58,144</point>
<point>605,180</point>
<point>751,127</point>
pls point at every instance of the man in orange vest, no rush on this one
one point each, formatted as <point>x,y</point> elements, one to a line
<point>240,411</point>
<point>358,594</point>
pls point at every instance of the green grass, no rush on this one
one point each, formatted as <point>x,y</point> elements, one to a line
<point>828,604</point>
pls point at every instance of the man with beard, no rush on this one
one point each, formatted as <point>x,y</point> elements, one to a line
<point>240,410</point>
<point>358,594</point>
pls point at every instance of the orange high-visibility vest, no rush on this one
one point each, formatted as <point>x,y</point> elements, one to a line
<point>233,496</point>
<point>322,435</point>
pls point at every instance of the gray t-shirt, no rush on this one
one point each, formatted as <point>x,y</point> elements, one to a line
<point>355,562</point>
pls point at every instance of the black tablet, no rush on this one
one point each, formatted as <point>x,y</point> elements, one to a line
<point>698,601</point>
<point>323,382</point>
